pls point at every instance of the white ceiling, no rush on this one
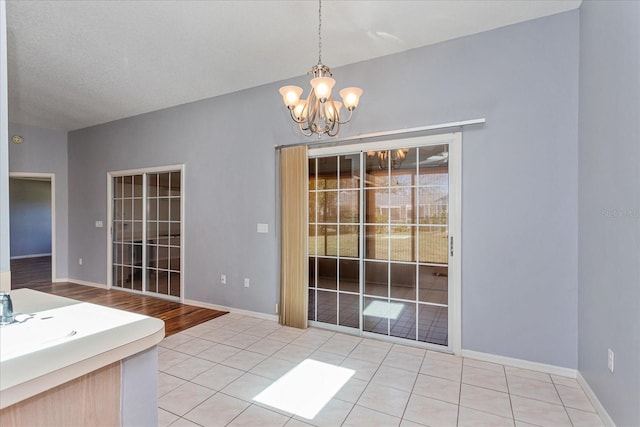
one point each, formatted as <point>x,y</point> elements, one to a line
<point>74,64</point>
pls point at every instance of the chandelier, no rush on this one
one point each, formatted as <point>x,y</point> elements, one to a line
<point>319,113</point>
<point>389,159</point>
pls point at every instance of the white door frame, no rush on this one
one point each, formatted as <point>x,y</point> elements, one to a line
<point>51,177</point>
<point>454,140</point>
<point>156,169</point>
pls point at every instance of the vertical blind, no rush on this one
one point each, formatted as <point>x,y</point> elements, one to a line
<point>294,177</point>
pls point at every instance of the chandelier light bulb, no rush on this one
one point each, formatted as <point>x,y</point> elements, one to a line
<point>299,109</point>
<point>290,95</point>
<point>322,87</point>
<point>351,97</point>
<point>332,110</point>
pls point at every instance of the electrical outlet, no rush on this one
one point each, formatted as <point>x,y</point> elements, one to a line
<point>610,360</point>
<point>276,308</point>
<point>223,279</point>
<point>80,261</point>
<point>246,282</point>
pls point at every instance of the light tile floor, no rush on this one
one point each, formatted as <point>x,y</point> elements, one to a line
<point>209,374</point>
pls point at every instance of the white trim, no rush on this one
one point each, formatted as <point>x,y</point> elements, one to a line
<point>377,337</point>
<point>336,328</point>
<point>520,363</point>
<point>183,230</point>
<point>5,281</point>
<point>153,169</point>
<point>455,233</point>
<point>30,256</point>
<point>604,415</point>
<point>390,133</point>
<point>265,316</point>
<point>148,294</point>
<point>86,283</point>
<point>109,230</point>
<point>356,147</point>
<point>51,177</point>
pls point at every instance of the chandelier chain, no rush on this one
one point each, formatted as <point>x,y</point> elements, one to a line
<point>319,32</point>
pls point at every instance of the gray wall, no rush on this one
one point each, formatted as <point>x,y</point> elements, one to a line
<point>609,215</point>
<point>30,210</point>
<point>519,179</point>
<point>45,151</point>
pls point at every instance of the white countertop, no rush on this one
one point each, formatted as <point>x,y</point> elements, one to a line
<point>65,339</point>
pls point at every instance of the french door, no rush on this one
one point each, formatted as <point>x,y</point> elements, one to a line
<point>146,231</point>
<point>383,227</point>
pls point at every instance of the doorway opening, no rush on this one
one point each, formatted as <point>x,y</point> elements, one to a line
<point>32,228</point>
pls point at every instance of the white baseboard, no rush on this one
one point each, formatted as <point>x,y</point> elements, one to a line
<point>84,282</point>
<point>257,314</point>
<point>30,256</point>
<point>604,415</point>
<point>520,363</point>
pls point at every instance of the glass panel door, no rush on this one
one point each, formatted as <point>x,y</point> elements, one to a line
<point>379,247</point>
<point>146,233</point>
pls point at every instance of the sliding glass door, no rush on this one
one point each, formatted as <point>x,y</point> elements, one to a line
<point>146,223</point>
<point>380,238</point>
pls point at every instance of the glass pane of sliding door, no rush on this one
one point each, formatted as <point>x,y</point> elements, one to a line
<point>334,230</point>
<point>127,232</point>
<point>405,243</point>
<point>146,249</point>
<point>378,247</point>
<point>163,233</point>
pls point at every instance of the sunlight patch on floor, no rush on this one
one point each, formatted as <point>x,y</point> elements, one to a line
<point>305,389</point>
<point>385,310</point>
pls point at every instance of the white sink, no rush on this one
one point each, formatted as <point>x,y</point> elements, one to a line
<point>59,325</point>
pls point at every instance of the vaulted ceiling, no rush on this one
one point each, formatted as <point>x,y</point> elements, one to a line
<point>74,64</point>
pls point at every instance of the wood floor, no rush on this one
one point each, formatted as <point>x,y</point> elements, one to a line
<point>31,270</point>
<point>177,317</point>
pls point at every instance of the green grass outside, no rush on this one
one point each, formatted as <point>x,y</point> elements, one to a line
<point>432,245</point>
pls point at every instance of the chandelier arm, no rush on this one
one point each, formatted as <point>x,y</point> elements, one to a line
<point>294,117</point>
<point>348,118</point>
<point>336,126</point>
<point>312,112</point>
<point>305,130</point>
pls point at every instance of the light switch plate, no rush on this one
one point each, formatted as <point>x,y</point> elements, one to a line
<point>263,228</point>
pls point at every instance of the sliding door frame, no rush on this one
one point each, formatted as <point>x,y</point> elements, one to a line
<point>158,169</point>
<point>454,141</point>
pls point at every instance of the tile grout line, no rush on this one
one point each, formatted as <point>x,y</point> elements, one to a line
<point>459,393</point>
<point>506,380</point>
<point>379,364</point>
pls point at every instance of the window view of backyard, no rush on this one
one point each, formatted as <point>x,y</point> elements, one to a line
<point>393,229</point>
